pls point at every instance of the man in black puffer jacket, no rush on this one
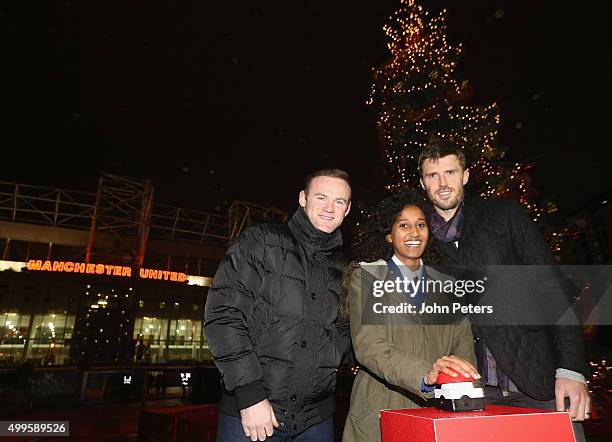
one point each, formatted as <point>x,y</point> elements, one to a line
<point>527,365</point>
<point>272,320</point>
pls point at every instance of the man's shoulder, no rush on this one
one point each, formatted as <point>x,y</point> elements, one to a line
<point>492,218</point>
<point>267,232</point>
<point>491,207</point>
<point>256,238</point>
<point>474,200</point>
<point>376,269</point>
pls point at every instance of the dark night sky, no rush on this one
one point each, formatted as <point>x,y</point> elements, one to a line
<point>216,101</point>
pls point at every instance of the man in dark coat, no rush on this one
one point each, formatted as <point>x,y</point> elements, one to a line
<point>272,320</point>
<point>528,366</point>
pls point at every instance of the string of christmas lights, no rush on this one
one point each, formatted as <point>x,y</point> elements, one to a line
<point>419,99</point>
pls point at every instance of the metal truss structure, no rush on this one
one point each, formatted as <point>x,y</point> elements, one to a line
<point>243,214</point>
<point>123,207</point>
<point>120,218</point>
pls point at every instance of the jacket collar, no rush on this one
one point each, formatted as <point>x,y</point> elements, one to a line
<point>380,269</point>
<point>394,267</point>
<point>311,238</point>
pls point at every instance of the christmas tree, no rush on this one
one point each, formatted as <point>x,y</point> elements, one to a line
<point>419,99</point>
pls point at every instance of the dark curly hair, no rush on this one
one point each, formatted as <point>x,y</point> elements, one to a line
<point>372,245</point>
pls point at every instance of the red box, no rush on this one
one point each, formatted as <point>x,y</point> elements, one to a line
<point>496,423</point>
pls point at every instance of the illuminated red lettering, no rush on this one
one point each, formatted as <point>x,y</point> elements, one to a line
<point>58,266</point>
<point>34,264</point>
<point>104,269</point>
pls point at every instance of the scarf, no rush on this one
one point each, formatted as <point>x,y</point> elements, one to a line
<point>448,231</point>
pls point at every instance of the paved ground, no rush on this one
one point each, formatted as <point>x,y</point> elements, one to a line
<point>99,422</point>
<point>119,422</point>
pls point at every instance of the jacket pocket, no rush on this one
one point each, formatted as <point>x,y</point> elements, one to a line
<point>269,360</point>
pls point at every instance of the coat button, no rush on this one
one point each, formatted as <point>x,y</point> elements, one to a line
<point>476,339</point>
<point>294,427</point>
<point>303,344</point>
<point>293,397</point>
<point>313,296</point>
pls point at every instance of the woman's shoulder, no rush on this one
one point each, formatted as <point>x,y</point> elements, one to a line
<point>376,269</point>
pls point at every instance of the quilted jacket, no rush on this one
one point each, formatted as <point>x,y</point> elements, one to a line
<point>273,333</point>
<point>499,232</point>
